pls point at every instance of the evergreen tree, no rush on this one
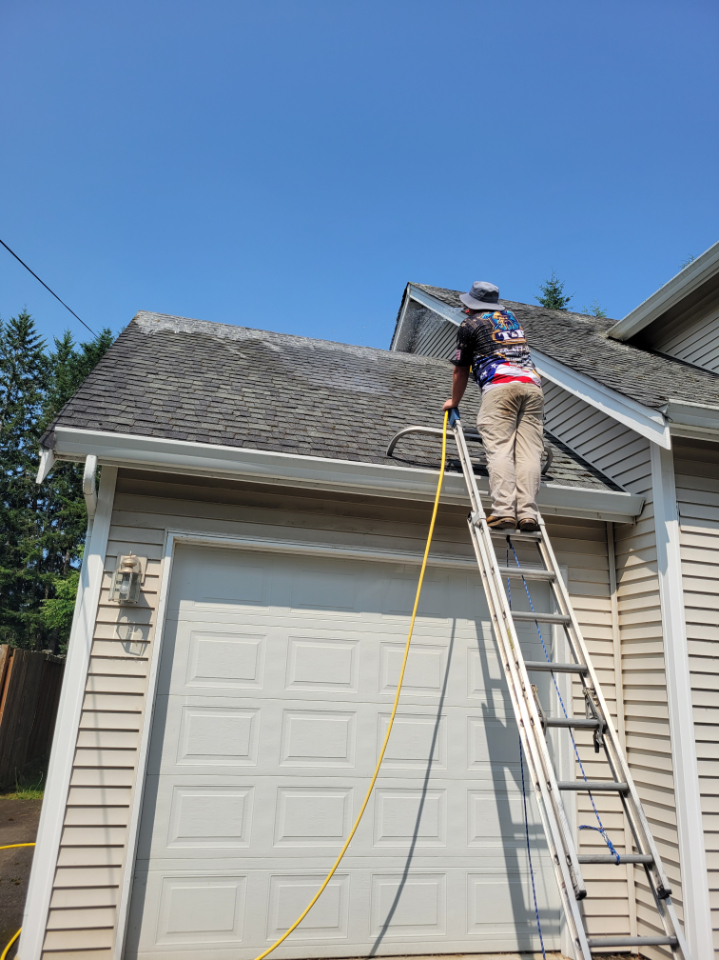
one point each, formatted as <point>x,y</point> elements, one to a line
<point>44,526</point>
<point>23,380</point>
<point>596,310</point>
<point>553,296</point>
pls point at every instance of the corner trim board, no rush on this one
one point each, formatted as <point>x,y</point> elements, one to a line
<point>695,883</point>
<point>62,755</point>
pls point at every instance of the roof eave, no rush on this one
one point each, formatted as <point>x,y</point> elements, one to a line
<point>692,420</point>
<point>693,276</point>
<point>319,473</point>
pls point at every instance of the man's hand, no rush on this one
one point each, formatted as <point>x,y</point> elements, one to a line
<point>460,376</point>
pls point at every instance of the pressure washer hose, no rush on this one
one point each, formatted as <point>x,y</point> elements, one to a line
<point>352,832</point>
<point>343,851</point>
<point>10,846</point>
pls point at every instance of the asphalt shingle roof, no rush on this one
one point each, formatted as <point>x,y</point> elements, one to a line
<point>191,380</point>
<point>581,342</point>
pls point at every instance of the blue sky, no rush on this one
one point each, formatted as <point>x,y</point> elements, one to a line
<point>291,165</point>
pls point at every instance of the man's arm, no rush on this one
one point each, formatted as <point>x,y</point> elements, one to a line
<point>460,376</point>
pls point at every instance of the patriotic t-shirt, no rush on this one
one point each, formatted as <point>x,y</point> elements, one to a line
<point>494,345</point>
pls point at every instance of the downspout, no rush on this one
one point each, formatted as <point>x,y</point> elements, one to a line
<point>621,721</point>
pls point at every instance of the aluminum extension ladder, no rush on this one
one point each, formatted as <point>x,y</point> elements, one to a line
<point>533,723</point>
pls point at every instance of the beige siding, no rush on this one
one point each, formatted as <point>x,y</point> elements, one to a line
<point>93,854</point>
<point>697,480</point>
<point>694,338</point>
<point>624,456</point>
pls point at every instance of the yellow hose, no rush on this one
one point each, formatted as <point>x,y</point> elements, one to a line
<point>329,876</point>
<point>9,846</point>
<point>5,951</point>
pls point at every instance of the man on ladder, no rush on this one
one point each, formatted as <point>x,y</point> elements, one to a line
<point>492,343</point>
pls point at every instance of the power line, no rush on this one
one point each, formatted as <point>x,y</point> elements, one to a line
<point>47,288</point>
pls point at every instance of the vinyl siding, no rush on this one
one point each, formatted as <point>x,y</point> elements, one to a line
<point>694,338</point>
<point>93,854</point>
<point>425,333</point>
<point>696,467</point>
<point>624,456</point>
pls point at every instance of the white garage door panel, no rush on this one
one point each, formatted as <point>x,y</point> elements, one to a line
<point>202,911</point>
<point>217,818</point>
<point>275,687</point>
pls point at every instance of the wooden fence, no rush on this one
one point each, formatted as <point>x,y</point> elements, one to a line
<point>30,684</point>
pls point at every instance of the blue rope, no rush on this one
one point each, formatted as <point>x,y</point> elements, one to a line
<point>600,829</point>
<point>529,851</point>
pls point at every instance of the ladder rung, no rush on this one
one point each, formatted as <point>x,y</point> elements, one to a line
<point>526,616</point>
<point>608,858</point>
<point>596,786</point>
<point>526,573</point>
<point>597,942</point>
<point>580,723</point>
<point>515,535</point>
<point>544,666</point>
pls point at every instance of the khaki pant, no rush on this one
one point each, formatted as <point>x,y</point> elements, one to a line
<point>510,423</point>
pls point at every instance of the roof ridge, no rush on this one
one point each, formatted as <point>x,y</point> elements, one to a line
<point>151,322</point>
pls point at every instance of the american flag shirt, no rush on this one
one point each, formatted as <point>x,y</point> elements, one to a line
<point>494,345</point>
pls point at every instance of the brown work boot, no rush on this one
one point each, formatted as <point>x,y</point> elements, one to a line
<point>528,525</point>
<point>501,523</point>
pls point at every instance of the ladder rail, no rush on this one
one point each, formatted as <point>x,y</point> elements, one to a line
<point>575,634</point>
<point>527,726</point>
<point>532,732</point>
<point>517,663</point>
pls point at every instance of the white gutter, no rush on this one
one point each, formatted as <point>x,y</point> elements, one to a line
<point>647,422</point>
<point>675,290</point>
<point>319,473</point>
<point>692,420</point>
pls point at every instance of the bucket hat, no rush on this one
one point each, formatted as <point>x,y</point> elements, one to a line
<point>482,296</point>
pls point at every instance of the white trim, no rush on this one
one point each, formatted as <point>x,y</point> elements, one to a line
<point>400,322</point>
<point>413,483</point>
<point>692,420</point>
<point>695,884</point>
<point>453,314</point>
<point>47,462</point>
<point>143,753</point>
<point>88,485</point>
<point>644,420</point>
<point>62,754</point>
<point>685,282</point>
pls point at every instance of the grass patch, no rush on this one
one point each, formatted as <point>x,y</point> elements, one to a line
<point>30,786</point>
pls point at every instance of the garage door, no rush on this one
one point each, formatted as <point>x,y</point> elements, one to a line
<point>276,682</point>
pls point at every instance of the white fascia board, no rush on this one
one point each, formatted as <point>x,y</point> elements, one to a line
<point>319,473</point>
<point>685,282</point>
<point>692,420</point>
<point>453,314</point>
<point>644,420</point>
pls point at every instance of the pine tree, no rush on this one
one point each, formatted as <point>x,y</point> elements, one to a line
<point>23,379</point>
<point>65,516</point>
<point>44,526</point>
<point>553,296</point>
<point>595,310</point>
